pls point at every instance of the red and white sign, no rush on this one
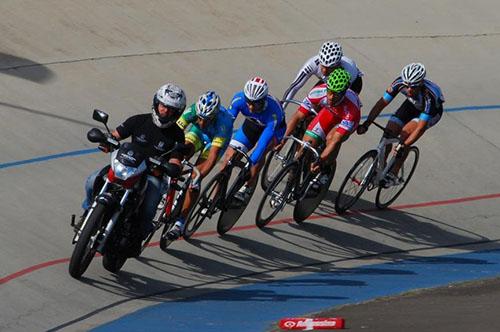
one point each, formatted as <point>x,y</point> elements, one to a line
<point>309,324</point>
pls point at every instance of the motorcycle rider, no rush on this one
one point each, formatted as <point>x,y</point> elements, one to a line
<point>157,133</point>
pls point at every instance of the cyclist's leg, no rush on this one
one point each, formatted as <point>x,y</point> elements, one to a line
<point>320,126</point>
<point>240,140</point>
<point>408,129</point>
<point>292,124</point>
<point>404,114</point>
<point>194,189</point>
<point>334,141</point>
<point>255,170</point>
<point>193,139</point>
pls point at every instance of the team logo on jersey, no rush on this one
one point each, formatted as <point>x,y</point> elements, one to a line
<point>317,92</point>
<point>160,146</point>
<point>347,125</point>
<point>142,138</point>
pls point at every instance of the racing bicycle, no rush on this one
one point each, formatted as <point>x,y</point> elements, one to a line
<point>370,171</point>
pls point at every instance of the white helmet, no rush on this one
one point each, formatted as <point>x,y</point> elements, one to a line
<point>256,89</point>
<point>207,105</point>
<point>413,73</point>
<point>173,97</point>
<point>330,54</point>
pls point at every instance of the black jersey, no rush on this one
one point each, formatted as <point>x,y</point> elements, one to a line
<point>145,133</point>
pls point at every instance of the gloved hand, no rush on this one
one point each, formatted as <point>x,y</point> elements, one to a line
<point>362,128</point>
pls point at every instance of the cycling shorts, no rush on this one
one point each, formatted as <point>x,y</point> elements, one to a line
<point>408,112</point>
<point>249,133</point>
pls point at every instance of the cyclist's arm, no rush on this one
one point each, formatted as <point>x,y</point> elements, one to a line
<point>376,109</point>
<point>236,104</point>
<point>302,77</point>
<point>294,121</point>
<point>311,101</point>
<point>332,144</point>
<point>206,166</point>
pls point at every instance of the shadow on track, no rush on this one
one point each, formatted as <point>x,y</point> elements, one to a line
<point>24,68</point>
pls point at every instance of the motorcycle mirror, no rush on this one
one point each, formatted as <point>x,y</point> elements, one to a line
<point>96,136</point>
<point>100,116</point>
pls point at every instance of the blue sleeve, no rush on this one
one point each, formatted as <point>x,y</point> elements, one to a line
<point>387,97</point>
<point>236,105</point>
<point>393,90</point>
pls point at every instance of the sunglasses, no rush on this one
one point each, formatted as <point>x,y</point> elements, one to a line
<point>412,86</point>
<point>259,102</point>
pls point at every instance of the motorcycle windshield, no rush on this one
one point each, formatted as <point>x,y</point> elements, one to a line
<point>131,154</point>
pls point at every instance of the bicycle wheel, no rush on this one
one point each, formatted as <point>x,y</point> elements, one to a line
<point>275,162</point>
<point>169,220</point>
<point>305,207</point>
<point>276,195</point>
<point>356,181</point>
<point>232,212</point>
<point>386,196</point>
<point>205,206</point>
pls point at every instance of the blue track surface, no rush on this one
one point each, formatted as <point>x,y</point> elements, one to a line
<point>255,307</point>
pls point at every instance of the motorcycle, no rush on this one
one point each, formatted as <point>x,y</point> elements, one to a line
<point>110,226</point>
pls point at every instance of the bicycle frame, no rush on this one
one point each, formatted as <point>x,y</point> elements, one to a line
<point>234,161</point>
<point>168,202</point>
<point>381,167</point>
<point>303,191</point>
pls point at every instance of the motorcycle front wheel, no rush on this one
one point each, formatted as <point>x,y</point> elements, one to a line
<point>86,247</point>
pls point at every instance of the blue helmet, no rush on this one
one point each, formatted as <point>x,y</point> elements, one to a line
<point>207,105</point>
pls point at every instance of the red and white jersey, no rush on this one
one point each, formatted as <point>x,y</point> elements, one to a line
<point>312,67</point>
<point>346,114</point>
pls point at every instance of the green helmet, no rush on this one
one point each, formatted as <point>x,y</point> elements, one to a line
<point>338,80</point>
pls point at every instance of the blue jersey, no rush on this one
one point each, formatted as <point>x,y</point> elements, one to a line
<point>270,119</point>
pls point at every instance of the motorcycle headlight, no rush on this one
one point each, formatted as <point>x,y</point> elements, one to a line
<point>121,171</point>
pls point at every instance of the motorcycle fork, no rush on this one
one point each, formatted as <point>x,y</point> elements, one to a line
<point>92,207</point>
<point>112,221</point>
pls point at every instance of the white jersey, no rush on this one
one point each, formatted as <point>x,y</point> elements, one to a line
<point>312,67</point>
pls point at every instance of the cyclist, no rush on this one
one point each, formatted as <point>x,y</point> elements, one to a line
<point>263,128</point>
<point>330,56</point>
<point>421,110</point>
<point>209,127</point>
<point>157,134</point>
<point>339,108</point>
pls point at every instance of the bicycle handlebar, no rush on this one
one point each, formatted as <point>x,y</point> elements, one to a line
<point>391,135</point>
<point>293,101</point>
<point>191,168</point>
<point>244,154</point>
<point>306,145</point>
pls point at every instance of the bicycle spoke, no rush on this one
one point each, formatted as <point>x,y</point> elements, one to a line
<point>355,181</point>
